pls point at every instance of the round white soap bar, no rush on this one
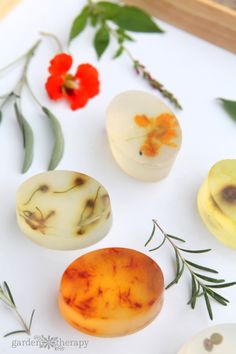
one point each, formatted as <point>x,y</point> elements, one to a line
<point>144,135</point>
<point>219,339</point>
<point>63,210</point>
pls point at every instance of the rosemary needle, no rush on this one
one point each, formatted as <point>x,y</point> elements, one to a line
<point>7,298</point>
<point>198,286</point>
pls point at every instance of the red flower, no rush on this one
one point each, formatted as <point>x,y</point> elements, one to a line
<point>78,88</point>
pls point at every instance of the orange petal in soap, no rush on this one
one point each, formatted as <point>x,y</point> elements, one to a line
<point>111,292</point>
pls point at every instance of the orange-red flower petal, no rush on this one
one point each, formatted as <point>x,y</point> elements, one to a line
<point>54,87</point>
<point>60,64</point>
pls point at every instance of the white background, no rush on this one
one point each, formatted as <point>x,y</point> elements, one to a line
<point>197,72</point>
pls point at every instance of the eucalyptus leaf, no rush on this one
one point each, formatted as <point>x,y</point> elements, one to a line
<point>133,19</point>
<point>28,139</point>
<point>101,40</point>
<point>79,23</point>
<point>230,107</point>
<point>58,148</point>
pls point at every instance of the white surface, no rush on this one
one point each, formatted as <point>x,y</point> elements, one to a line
<point>197,72</point>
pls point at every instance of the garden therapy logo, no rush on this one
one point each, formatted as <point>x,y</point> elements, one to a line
<point>49,342</point>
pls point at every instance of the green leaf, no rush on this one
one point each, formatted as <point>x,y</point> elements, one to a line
<point>15,332</point>
<point>208,305</point>
<point>107,10</point>
<point>0,116</point>
<point>230,107</point>
<point>211,280</point>
<point>131,18</point>
<point>226,285</point>
<point>194,251</point>
<point>79,23</point>
<point>217,297</point>
<point>123,34</point>
<point>161,244</point>
<point>176,238</point>
<point>101,40</point>
<point>31,319</point>
<point>9,292</point>
<point>152,234</point>
<point>28,139</point>
<point>58,148</point>
<point>119,52</point>
<point>210,270</point>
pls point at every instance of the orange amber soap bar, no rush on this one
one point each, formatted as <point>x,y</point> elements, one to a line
<point>111,292</point>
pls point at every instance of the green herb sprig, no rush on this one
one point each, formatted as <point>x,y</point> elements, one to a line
<point>112,20</point>
<point>229,106</point>
<point>26,130</point>
<point>7,298</point>
<point>199,287</point>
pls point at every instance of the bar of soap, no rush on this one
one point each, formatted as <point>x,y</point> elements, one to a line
<point>217,202</point>
<point>111,292</point>
<point>6,6</point>
<point>63,210</point>
<point>144,135</point>
<point>219,339</point>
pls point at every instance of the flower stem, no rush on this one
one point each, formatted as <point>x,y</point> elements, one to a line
<point>141,70</point>
<point>55,38</point>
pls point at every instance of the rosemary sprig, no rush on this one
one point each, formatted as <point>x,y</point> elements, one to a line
<point>7,298</point>
<point>124,19</point>
<point>198,286</point>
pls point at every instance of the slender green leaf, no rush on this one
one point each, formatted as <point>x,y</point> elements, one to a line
<point>107,10</point>
<point>119,52</point>
<point>101,40</point>
<point>176,238</point>
<point>208,305</point>
<point>210,270</point>
<point>79,23</point>
<point>123,34</point>
<point>230,107</point>
<point>28,139</point>
<point>211,280</point>
<point>178,276</point>
<point>217,297</point>
<point>157,248</point>
<point>0,116</point>
<point>225,285</point>
<point>131,18</point>
<point>14,332</point>
<point>8,292</point>
<point>58,148</point>
<point>31,319</point>
<point>152,234</point>
<point>194,251</point>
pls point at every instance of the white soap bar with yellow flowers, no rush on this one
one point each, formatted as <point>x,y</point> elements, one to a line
<point>6,6</point>
<point>144,135</point>
<point>217,201</point>
<point>63,210</point>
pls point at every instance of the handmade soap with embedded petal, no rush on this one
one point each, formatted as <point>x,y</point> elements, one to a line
<point>63,210</point>
<point>219,339</point>
<point>111,292</point>
<point>144,135</point>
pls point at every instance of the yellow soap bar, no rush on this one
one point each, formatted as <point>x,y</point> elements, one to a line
<point>111,292</point>
<point>6,6</point>
<point>217,201</point>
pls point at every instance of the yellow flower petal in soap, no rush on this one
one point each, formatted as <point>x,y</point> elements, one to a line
<point>63,210</point>
<point>111,292</point>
